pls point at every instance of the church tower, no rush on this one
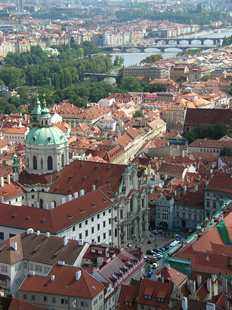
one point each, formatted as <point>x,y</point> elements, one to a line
<point>46,145</point>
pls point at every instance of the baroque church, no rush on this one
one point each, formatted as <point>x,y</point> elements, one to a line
<point>95,202</point>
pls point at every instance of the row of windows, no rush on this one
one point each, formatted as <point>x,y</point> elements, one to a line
<point>46,299</point>
<point>92,220</point>
<point>98,238</point>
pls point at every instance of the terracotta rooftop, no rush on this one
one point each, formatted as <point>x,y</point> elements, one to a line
<point>54,220</point>
<point>39,248</point>
<point>191,200</point>
<point>84,174</point>
<point>64,283</point>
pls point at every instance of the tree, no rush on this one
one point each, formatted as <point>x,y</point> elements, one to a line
<point>118,61</point>
<point>151,59</point>
<point>130,83</point>
<point>12,76</point>
<point>138,113</point>
<point>216,131</point>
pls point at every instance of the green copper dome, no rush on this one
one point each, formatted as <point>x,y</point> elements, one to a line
<point>45,136</point>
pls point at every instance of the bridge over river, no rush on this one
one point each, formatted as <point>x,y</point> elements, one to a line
<point>168,43</point>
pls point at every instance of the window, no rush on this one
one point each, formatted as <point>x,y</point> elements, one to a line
<point>109,232</point>
<point>98,239</point>
<point>54,300</point>
<point>109,210</point>
<point>104,224</point>
<point>41,163</point>
<point>74,228</point>
<point>41,203</point>
<point>121,214</point>
<point>86,222</point>
<point>45,298</point>
<point>92,219</point>
<point>33,297</point>
<point>109,221</point>
<point>34,163</point>
<point>98,216</point>
<point>86,233</point>
<point>1,235</point>
<point>62,301</point>
<point>104,213</point>
<point>80,225</point>
<point>92,229</point>
<point>104,235</point>
<point>98,226</point>
<point>80,236</point>
<point>62,160</point>
<point>50,163</point>
<point>115,232</point>
<point>24,296</point>
<point>38,268</point>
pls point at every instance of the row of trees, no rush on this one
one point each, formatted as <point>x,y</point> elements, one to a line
<point>61,77</point>
<point>215,132</point>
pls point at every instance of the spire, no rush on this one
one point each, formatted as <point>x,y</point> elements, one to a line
<point>36,112</point>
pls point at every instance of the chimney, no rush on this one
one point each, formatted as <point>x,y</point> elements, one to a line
<point>94,187</point>
<point>184,303</point>
<point>53,277</point>
<point>82,192</point>
<point>78,275</point>
<point>2,181</point>
<point>8,179</point>
<point>76,194</point>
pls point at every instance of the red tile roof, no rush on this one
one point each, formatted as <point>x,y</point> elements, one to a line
<point>155,292</point>
<point>199,117</point>
<point>57,219</point>
<point>174,276</point>
<point>191,200</point>
<point>84,174</point>
<point>64,284</point>
<point>221,182</point>
<point>11,190</point>
<point>208,253</point>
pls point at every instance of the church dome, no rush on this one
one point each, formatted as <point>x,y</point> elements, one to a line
<point>45,136</point>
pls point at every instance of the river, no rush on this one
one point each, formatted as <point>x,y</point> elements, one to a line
<point>135,58</point>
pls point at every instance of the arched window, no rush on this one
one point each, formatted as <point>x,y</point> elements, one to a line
<point>62,160</point>
<point>34,163</point>
<point>50,163</point>
<point>41,163</point>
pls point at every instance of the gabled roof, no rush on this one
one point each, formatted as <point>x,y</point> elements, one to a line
<point>221,182</point>
<point>174,276</point>
<point>39,248</point>
<point>157,291</point>
<point>64,283</point>
<point>84,174</point>
<point>54,220</point>
<point>199,117</point>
